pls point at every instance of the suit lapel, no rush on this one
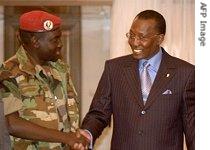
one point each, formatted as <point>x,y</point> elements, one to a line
<point>164,75</point>
<point>131,73</point>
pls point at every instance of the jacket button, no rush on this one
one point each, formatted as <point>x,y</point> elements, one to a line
<point>143,112</point>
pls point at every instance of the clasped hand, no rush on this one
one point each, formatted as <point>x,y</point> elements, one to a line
<point>78,140</point>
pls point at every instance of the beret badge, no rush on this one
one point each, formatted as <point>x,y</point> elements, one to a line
<point>48,25</point>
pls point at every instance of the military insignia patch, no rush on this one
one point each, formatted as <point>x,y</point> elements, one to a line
<point>48,25</point>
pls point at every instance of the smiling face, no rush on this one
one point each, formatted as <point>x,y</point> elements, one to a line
<point>144,38</point>
<point>49,46</point>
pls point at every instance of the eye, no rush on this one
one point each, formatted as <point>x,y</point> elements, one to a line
<point>54,40</point>
<point>132,36</point>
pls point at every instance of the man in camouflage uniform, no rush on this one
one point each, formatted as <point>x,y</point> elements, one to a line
<point>37,83</point>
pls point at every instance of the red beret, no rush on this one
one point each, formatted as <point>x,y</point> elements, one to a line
<point>39,21</point>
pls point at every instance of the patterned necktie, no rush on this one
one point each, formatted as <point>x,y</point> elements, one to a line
<point>146,81</point>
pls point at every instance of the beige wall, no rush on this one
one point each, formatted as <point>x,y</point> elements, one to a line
<point>95,50</point>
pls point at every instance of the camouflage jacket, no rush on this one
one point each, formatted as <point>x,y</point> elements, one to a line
<point>46,93</point>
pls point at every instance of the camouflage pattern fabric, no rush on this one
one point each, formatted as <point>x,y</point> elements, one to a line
<point>46,94</point>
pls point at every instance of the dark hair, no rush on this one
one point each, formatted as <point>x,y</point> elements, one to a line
<point>25,36</point>
<point>151,14</point>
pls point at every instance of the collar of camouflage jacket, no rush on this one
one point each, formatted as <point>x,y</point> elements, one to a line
<point>54,69</point>
<point>58,70</point>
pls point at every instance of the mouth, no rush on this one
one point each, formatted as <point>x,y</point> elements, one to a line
<point>57,52</point>
<point>137,51</point>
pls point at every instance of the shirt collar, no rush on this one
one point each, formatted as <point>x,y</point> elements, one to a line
<point>154,61</point>
<point>26,64</point>
<point>51,68</point>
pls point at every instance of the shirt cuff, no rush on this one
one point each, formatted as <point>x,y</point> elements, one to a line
<point>91,139</point>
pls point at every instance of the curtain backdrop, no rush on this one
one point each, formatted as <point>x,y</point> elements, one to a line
<point>179,15</point>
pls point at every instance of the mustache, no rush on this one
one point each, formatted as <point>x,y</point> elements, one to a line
<point>137,48</point>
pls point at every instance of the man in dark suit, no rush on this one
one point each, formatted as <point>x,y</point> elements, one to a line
<point>152,106</point>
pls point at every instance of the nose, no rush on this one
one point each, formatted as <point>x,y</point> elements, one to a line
<point>136,42</point>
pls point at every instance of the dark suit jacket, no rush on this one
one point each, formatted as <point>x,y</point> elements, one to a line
<point>158,125</point>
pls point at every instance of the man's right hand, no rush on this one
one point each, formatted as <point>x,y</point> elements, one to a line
<point>81,146</point>
<point>77,141</point>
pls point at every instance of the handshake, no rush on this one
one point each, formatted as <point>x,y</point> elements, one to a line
<point>80,140</point>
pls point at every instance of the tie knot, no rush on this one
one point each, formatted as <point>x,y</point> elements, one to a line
<point>146,64</point>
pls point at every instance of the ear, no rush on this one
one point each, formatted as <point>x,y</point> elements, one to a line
<point>35,42</point>
<point>160,38</point>
<point>18,38</point>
